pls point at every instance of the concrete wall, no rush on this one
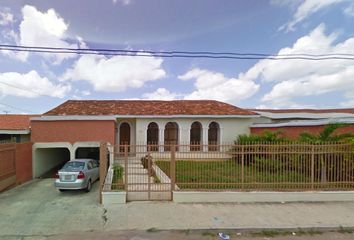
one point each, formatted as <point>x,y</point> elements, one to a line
<point>46,159</point>
<point>248,197</point>
<point>73,131</point>
<point>109,198</point>
<point>295,131</point>
<point>228,132</point>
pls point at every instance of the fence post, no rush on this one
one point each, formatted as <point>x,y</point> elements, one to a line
<point>313,167</point>
<point>242,166</point>
<point>149,176</point>
<point>173,168</point>
<point>103,167</point>
<point>126,167</point>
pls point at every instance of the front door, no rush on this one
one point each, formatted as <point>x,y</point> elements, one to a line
<point>124,134</point>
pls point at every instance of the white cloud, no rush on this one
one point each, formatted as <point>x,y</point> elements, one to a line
<point>117,73</point>
<point>349,11</point>
<point>298,78</point>
<point>123,2</point>
<point>161,94</point>
<point>347,104</point>
<point>30,85</point>
<point>46,29</point>
<point>214,85</point>
<point>306,9</point>
<point>6,17</point>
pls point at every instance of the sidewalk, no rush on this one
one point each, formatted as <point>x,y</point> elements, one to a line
<point>168,215</point>
<point>38,209</point>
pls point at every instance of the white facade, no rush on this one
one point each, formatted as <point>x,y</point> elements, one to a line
<point>229,129</point>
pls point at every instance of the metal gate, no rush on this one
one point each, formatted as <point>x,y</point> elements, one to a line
<point>144,180</point>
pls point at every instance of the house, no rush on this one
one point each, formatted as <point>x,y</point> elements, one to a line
<point>293,122</point>
<point>15,127</point>
<point>75,129</point>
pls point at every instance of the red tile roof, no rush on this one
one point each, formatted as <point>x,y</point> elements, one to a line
<point>334,110</point>
<point>15,121</point>
<point>145,107</point>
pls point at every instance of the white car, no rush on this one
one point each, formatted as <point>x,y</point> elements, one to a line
<point>77,174</point>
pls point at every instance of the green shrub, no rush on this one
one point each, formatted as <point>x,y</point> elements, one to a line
<point>117,171</point>
<point>266,136</point>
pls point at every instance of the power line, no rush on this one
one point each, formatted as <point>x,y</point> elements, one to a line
<point>25,89</point>
<point>179,54</point>
<point>17,108</point>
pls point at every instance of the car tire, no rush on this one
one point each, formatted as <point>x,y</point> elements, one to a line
<point>89,186</point>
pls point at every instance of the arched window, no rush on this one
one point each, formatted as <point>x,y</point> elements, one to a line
<point>196,136</point>
<point>124,135</point>
<point>152,136</point>
<point>171,135</point>
<point>213,136</point>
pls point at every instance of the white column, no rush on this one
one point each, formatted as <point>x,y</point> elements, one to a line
<point>161,137</point>
<point>205,139</point>
<point>221,141</point>
<point>187,132</point>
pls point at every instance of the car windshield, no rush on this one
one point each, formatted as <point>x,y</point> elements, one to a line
<point>74,166</point>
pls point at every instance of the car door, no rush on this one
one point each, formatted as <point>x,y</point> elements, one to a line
<point>90,171</point>
<point>96,169</point>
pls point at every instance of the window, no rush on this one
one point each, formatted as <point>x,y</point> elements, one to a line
<point>89,165</point>
<point>196,136</point>
<point>171,135</point>
<point>153,137</point>
<point>213,136</point>
<point>74,166</point>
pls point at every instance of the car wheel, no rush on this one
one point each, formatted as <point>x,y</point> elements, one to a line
<point>89,185</point>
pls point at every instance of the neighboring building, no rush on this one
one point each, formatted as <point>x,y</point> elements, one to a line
<point>15,128</point>
<point>76,128</point>
<point>293,122</point>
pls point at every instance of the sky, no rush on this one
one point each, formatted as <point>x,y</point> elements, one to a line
<point>35,83</point>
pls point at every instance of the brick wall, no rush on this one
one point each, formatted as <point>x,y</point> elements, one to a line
<point>294,132</point>
<point>73,131</point>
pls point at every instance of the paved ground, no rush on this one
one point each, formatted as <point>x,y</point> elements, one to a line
<point>167,215</point>
<point>187,235</point>
<point>38,210</point>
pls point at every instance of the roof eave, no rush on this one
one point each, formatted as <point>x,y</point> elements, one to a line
<point>114,117</point>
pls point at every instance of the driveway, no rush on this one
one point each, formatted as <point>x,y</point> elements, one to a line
<point>37,208</point>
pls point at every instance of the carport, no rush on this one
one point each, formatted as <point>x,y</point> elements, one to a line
<point>48,159</point>
<point>88,152</point>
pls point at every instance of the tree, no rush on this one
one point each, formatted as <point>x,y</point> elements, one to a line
<point>326,135</point>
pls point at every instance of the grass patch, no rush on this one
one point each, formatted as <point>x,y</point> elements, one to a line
<point>226,174</point>
<point>208,234</point>
<point>152,230</point>
<point>345,230</point>
<point>270,233</point>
